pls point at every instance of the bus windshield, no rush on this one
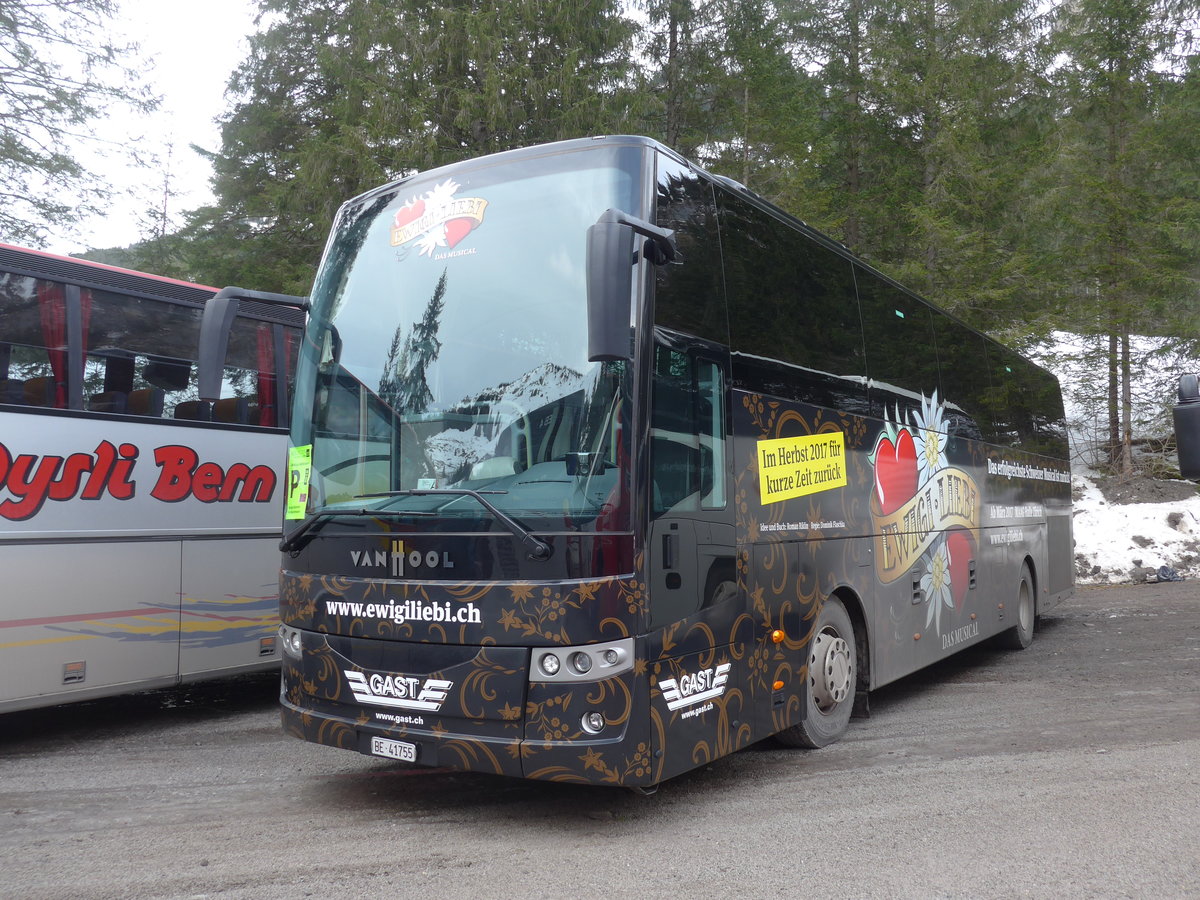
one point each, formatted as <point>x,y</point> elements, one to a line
<point>447,350</point>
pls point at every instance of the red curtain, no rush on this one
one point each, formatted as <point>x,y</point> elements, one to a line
<point>266,375</point>
<point>52,306</point>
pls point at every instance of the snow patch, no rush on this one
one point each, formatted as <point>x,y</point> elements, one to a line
<point>1118,542</point>
<point>453,451</point>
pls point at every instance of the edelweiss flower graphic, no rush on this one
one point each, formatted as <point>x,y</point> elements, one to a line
<point>935,584</point>
<point>438,219</point>
<point>431,240</point>
<point>930,437</point>
<point>435,200</point>
<point>441,194</point>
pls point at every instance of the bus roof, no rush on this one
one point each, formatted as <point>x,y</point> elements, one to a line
<point>72,260</point>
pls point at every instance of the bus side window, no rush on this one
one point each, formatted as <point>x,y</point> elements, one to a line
<point>33,355</point>
<point>687,434</point>
<point>138,355</point>
<point>1029,404</point>
<point>690,297</point>
<point>793,311</point>
<point>1010,403</point>
<point>902,362</point>
<point>964,379</point>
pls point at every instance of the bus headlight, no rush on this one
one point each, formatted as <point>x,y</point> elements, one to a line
<point>291,641</point>
<point>592,722</point>
<point>592,662</point>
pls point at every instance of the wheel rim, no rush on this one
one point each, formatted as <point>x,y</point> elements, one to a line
<point>831,670</point>
<point>1025,607</point>
<point>724,591</point>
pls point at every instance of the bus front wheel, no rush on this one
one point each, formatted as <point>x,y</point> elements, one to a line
<point>832,670</point>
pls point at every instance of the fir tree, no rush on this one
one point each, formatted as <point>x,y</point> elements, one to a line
<point>405,385</point>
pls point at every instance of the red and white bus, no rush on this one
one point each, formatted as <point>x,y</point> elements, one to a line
<point>138,523</point>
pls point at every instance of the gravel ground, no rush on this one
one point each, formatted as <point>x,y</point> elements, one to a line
<point>1071,769</point>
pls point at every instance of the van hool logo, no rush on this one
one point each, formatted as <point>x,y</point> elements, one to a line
<point>397,559</point>
<point>688,690</point>
<point>399,691</point>
<point>437,219</point>
<point>925,511</point>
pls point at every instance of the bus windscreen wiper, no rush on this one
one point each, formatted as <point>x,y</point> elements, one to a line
<point>534,545</point>
<point>292,540</point>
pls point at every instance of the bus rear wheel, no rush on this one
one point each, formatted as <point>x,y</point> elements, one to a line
<point>832,671</point>
<point>1020,635</point>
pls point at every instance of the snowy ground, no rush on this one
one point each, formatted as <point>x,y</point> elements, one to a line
<point>1121,542</point>
<point>1153,523</point>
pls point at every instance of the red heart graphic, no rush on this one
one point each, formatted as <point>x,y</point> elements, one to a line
<point>895,472</point>
<point>456,230</point>
<point>406,214</point>
<point>961,547</point>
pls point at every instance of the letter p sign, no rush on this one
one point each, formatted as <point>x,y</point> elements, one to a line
<point>299,473</point>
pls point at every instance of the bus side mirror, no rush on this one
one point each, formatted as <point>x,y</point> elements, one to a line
<point>611,254</point>
<point>215,325</point>
<point>1187,426</point>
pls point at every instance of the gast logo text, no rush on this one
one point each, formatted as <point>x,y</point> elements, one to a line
<point>688,690</point>
<point>399,691</point>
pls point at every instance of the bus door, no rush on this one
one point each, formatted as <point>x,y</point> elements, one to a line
<point>695,605</point>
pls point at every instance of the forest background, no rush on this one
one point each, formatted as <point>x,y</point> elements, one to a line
<point>1030,166</point>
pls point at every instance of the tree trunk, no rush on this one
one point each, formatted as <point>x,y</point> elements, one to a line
<point>855,142</point>
<point>673,128</point>
<point>1126,467</point>
<point>746,134</point>
<point>1114,408</point>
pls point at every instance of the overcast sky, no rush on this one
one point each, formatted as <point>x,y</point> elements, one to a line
<point>189,50</point>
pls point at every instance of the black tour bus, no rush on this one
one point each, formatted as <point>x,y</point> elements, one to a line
<point>602,467</point>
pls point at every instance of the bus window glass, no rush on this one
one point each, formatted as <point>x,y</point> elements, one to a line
<point>1029,404</point>
<point>793,312</point>
<point>449,319</point>
<point>139,355</point>
<point>901,353</point>
<point>963,379</point>
<point>687,433</point>
<point>257,350</point>
<point>33,344</point>
<point>1011,411</point>
<point>710,393</point>
<point>689,295</point>
<point>1049,421</point>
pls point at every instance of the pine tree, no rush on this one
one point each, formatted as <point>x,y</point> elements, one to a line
<point>405,382</point>
<point>338,97</point>
<point>1126,200</point>
<point>927,117</point>
<point>956,79</point>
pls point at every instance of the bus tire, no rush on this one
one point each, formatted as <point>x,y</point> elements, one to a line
<point>832,674</point>
<point>1020,635</point>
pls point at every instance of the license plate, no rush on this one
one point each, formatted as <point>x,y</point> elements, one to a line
<point>400,750</point>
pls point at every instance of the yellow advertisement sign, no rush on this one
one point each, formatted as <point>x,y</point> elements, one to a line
<point>799,466</point>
